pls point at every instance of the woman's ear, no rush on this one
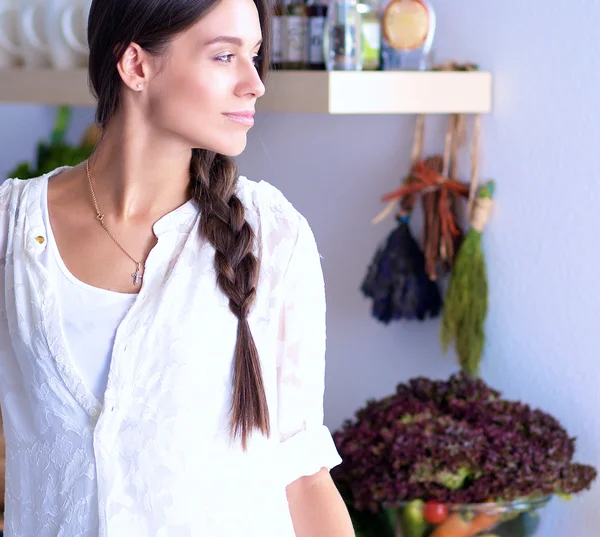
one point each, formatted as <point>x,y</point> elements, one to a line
<point>135,67</point>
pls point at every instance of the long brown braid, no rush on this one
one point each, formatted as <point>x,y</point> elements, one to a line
<point>223,223</point>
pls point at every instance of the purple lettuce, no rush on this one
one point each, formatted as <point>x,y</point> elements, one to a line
<point>455,441</point>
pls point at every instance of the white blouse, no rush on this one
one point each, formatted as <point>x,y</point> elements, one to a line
<point>89,316</point>
<point>156,459</point>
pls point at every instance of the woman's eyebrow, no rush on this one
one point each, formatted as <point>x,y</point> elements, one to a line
<point>229,39</point>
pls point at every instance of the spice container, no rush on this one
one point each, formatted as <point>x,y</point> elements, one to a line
<point>408,28</point>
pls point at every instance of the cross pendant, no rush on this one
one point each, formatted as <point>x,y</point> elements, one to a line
<point>137,277</point>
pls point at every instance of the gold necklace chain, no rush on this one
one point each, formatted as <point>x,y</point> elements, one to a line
<point>137,275</point>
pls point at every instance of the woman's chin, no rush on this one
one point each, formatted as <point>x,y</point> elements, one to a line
<point>232,147</point>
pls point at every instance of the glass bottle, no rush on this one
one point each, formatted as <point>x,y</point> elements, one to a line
<point>317,15</point>
<point>370,26</point>
<point>278,35</point>
<point>295,54</point>
<point>342,42</point>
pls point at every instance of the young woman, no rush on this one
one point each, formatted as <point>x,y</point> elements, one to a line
<point>162,328</point>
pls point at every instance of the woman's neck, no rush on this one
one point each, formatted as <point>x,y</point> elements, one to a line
<point>138,174</point>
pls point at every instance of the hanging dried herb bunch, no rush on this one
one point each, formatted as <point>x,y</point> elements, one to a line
<point>396,278</point>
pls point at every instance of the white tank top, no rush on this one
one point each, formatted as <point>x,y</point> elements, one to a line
<point>89,316</point>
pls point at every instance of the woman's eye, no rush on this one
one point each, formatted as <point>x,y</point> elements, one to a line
<point>228,58</point>
<point>225,58</point>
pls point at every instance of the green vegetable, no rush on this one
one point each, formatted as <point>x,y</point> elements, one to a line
<point>413,521</point>
<point>55,153</point>
<point>454,481</point>
<point>466,301</point>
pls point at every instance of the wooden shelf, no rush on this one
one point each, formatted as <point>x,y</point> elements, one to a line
<point>378,92</point>
<point>351,92</point>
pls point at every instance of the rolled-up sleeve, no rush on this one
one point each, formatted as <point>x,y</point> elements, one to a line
<point>306,443</point>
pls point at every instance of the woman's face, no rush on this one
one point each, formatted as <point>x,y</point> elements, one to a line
<point>207,85</point>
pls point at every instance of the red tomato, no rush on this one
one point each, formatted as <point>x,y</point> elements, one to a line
<point>435,512</point>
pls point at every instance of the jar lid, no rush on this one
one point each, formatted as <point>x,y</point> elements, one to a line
<point>406,24</point>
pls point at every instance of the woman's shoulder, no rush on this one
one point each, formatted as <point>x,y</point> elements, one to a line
<point>280,228</point>
<point>20,201</point>
<point>270,207</point>
<point>11,196</point>
<point>19,196</point>
<point>10,191</point>
<point>13,191</point>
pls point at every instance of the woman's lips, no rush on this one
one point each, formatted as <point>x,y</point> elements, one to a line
<point>245,118</point>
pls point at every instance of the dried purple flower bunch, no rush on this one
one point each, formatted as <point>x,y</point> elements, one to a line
<point>454,441</point>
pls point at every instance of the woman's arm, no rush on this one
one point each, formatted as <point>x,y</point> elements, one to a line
<point>317,508</point>
<point>307,449</point>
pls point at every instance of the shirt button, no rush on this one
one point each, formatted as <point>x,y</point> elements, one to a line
<point>59,359</point>
<point>93,412</point>
<point>40,239</point>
